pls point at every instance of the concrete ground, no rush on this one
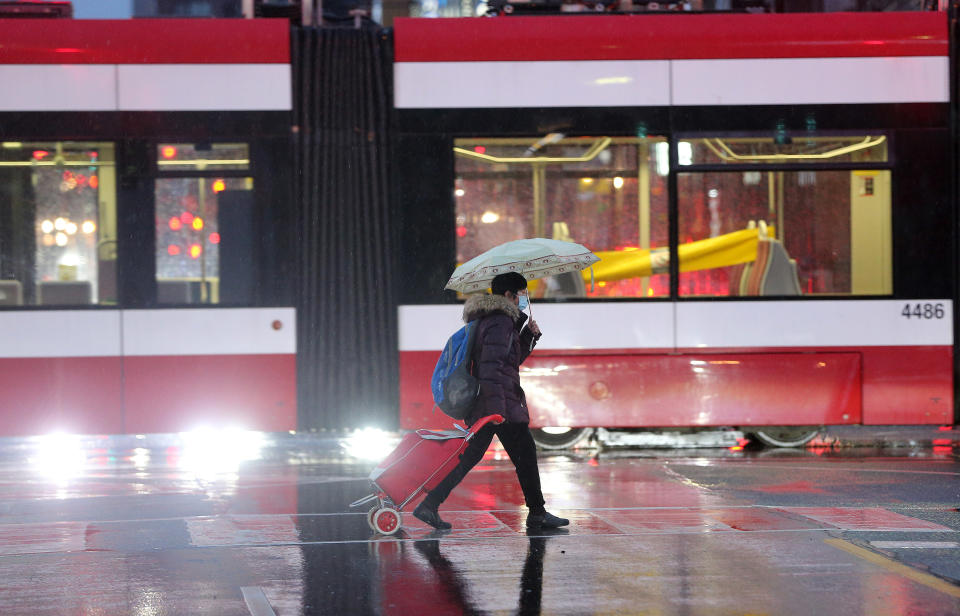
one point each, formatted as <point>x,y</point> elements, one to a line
<point>240,523</point>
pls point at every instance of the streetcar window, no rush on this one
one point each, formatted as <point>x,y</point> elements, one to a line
<point>763,232</point>
<point>58,223</point>
<point>194,215</point>
<point>783,149</point>
<point>609,194</point>
<point>173,157</point>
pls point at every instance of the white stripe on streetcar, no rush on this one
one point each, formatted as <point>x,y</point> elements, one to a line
<point>705,325</point>
<point>203,87</point>
<point>61,87</point>
<point>146,87</point>
<point>60,333</point>
<point>209,331</point>
<point>590,83</point>
<point>641,83</point>
<point>797,81</point>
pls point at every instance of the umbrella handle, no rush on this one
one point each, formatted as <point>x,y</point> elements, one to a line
<point>532,340</point>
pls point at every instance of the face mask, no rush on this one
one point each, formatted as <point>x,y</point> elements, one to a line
<point>524,302</point>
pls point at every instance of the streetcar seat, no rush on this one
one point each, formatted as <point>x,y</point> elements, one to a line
<point>772,273</point>
<point>64,292</point>
<point>11,293</point>
<point>570,284</point>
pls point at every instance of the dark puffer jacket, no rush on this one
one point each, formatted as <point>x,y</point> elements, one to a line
<point>500,346</point>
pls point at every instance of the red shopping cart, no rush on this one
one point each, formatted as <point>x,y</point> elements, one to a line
<point>420,462</point>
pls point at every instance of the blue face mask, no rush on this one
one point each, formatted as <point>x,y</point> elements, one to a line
<point>524,302</point>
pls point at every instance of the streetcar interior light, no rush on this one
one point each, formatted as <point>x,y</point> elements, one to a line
<point>609,81</point>
<point>662,153</point>
<point>618,182</point>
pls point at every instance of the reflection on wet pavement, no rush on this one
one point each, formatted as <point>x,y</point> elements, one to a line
<point>173,525</point>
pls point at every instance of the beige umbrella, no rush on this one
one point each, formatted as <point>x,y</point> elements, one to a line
<point>533,258</point>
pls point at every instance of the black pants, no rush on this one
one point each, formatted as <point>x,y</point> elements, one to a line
<point>518,442</point>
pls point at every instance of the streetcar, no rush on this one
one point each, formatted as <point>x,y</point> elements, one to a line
<point>770,196</point>
<point>138,249</point>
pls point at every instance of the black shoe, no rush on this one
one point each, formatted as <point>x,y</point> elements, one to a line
<point>431,516</point>
<point>545,520</point>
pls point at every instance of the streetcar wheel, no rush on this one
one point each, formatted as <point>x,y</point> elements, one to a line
<point>786,436</point>
<point>387,521</point>
<point>370,516</point>
<point>560,438</point>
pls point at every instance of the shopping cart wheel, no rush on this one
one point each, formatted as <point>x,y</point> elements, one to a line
<point>386,521</point>
<point>370,514</point>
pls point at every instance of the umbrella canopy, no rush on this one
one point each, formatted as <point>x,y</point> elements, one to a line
<point>533,258</point>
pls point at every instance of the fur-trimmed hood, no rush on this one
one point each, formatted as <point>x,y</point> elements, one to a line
<point>478,306</point>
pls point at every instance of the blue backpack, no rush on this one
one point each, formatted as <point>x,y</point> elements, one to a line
<point>455,390</point>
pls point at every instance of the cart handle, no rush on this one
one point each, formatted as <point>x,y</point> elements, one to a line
<point>497,419</point>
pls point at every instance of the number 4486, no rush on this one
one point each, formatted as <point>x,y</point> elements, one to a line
<point>922,311</point>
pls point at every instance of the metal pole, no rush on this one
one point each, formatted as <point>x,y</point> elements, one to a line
<point>643,194</point>
<point>308,12</point>
<point>204,296</point>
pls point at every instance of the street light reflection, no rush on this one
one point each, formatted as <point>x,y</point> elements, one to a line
<point>59,457</point>
<point>369,444</point>
<point>207,452</point>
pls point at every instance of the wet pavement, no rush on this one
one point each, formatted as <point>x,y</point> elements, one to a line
<point>242,523</point>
